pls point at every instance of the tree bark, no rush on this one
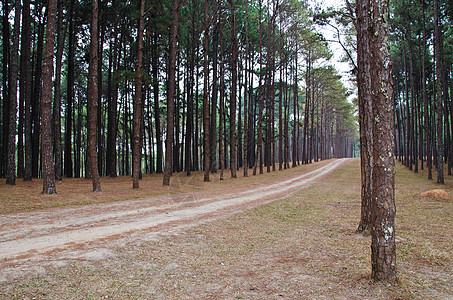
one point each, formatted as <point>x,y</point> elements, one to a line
<point>27,83</point>
<point>171,96</point>
<point>93,99</point>
<point>439,95</point>
<point>246,144</point>
<point>68,170</point>
<point>205,95</point>
<point>138,102</point>
<point>295,100</point>
<point>61,33</point>
<point>155,71</point>
<point>233,150</point>
<point>259,146</point>
<point>383,250</point>
<point>11,160</point>
<point>365,112</point>
<point>48,167</point>
<point>36,99</point>
<point>213,116</point>
<point>5,99</point>
<point>112,98</point>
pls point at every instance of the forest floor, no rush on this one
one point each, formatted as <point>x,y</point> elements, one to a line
<point>284,234</point>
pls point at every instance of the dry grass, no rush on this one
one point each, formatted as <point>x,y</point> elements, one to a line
<point>303,247</point>
<point>27,196</point>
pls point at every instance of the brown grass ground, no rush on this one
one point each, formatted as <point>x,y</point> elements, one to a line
<point>27,196</point>
<point>302,247</point>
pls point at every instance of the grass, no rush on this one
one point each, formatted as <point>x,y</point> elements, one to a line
<point>301,247</point>
<point>26,195</point>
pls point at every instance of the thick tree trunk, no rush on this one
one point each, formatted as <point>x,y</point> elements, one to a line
<point>48,168</point>
<point>93,99</point>
<point>365,112</point>
<point>171,96</point>
<point>138,102</point>
<point>11,155</point>
<point>383,250</point>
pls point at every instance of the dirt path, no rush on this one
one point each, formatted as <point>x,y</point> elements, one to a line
<point>31,241</point>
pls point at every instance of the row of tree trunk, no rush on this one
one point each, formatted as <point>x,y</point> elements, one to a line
<point>424,108</point>
<point>119,127</point>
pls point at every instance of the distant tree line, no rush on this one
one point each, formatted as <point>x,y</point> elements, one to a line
<point>422,55</point>
<point>189,85</point>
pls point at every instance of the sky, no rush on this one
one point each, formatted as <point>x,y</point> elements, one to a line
<point>343,68</point>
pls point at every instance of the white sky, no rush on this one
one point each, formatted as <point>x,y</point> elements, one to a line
<point>338,52</point>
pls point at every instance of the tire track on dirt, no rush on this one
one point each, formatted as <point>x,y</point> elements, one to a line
<point>26,236</point>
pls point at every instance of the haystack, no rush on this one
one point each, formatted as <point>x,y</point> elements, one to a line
<point>437,194</point>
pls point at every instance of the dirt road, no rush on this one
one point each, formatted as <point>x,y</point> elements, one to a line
<point>31,241</point>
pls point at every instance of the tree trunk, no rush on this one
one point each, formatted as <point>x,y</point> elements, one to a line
<point>365,113</point>
<point>307,109</point>
<point>295,100</point>
<point>176,120</point>
<point>27,83</point>
<point>23,73</point>
<point>61,33</point>
<point>246,145</point>
<point>11,159</point>
<point>280,122</point>
<point>221,115</point>
<point>259,146</point>
<point>5,99</point>
<point>36,100</point>
<point>383,250</point>
<point>190,94</point>
<point>413,108</point>
<point>439,95</point>
<point>93,99</point>
<point>78,139</point>
<point>138,101</point>
<point>205,95</point>
<point>112,98</point>
<point>155,71</point>
<point>48,168</point>
<point>171,96</point>
<point>69,95</point>
<point>234,60</point>
<point>213,116</point>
